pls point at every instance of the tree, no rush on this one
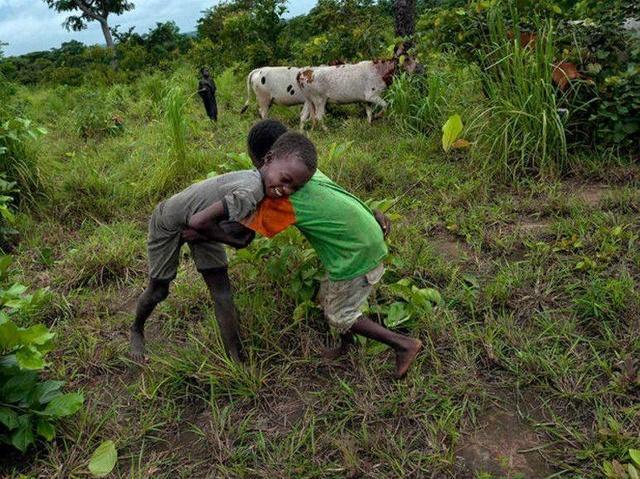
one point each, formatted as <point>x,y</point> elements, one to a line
<point>90,10</point>
<point>404,14</point>
<point>2,45</point>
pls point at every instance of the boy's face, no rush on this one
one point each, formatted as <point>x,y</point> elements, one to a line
<point>283,176</point>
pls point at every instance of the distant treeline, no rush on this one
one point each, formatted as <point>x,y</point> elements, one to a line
<point>242,33</point>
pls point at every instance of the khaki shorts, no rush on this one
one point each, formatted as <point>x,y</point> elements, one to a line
<point>342,301</point>
<point>164,243</point>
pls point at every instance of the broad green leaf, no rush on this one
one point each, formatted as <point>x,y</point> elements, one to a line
<point>23,436</point>
<point>18,387</point>
<point>8,417</point>
<point>45,429</point>
<point>37,334</point>
<point>635,455</point>
<point>64,405</point>
<point>103,459</point>
<point>450,131</point>
<point>397,315</point>
<point>5,262</point>
<point>46,391</point>
<point>9,335</point>
<point>633,472</point>
<point>29,358</point>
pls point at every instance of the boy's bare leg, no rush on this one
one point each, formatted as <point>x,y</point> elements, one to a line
<point>156,292</point>
<point>406,348</point>
<point>217,280</point>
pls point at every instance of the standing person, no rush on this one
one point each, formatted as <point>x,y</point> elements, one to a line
<point>207,91</point>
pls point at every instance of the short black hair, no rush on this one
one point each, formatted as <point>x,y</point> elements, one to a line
<point>261,138</point>
<point>298,144</point>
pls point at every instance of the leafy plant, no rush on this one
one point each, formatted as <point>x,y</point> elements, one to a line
<point>450,131</point>
<point>17,161</point>
<point>616,470</point>
<point>414,303</point>
<point>29,407</point>
<point>7,218</point>
<point>103,459</point>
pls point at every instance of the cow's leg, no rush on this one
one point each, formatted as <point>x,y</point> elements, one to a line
<point>306,113</point>
<point>376,100</point>
<point>367,107</point>
<point>320,108</point>
<point>264,103</point>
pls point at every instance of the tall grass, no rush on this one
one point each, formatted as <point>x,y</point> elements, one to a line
<point>520,132</point>
<point>174,167</point>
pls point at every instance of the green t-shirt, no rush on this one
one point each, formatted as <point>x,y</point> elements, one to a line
<point>340,227</point>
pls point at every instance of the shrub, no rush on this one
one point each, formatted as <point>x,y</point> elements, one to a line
<point>17,159</point>
<point>29,407</point>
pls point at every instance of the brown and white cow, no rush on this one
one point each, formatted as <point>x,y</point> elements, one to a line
<point>275,85</point>
<point>349,83</point>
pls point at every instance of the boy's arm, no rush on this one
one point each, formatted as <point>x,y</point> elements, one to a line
<point>384,222</point>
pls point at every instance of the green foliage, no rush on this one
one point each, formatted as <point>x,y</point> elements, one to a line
<point>103,459</point>
<point>29,407</point>
<point>450,131</point>
<point>520,132</point>
<point>110,254</point>
<point>96,117</point>
<point>17,159</point>
<point>242,31</point>
<point>7,218</point>
<point>415,303</point>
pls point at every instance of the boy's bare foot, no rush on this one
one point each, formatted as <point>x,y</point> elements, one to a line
<point>137,346</point>
<point>406,356</point>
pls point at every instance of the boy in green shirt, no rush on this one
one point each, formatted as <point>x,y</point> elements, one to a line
<point>348,238</point>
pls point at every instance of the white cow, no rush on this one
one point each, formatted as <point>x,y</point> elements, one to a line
<point>349,83</point>
<point>275,85</point>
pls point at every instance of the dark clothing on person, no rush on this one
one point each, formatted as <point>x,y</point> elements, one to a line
<point>207,90</point>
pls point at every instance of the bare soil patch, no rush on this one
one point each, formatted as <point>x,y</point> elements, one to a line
<point>589,194</point>
<point>504,445</point>
<point>450,248</point>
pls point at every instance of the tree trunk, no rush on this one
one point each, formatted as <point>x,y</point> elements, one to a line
<point>107,33</point>
<point>404,13</point>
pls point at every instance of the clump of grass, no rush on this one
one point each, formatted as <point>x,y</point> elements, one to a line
<point>110,254</point>
<point>520,132</point>
<point>173,168</point>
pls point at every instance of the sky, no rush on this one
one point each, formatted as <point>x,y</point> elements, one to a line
<point>29,25</point>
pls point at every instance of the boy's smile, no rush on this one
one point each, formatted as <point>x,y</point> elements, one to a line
<point>284,176</point>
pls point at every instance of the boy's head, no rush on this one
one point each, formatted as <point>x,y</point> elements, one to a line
<point>288,165</point>
<point>204,71</point>
<point>261,138</point>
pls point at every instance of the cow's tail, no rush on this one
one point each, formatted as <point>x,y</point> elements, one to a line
<point>246,103</point>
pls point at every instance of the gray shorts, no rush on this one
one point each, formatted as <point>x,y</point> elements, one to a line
<point>164,243</point>
<point>342,301</point>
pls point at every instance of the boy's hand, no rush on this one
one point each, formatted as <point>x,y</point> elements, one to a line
<point>238,235</point>
<point>384,222</point>
<point>192,236</point>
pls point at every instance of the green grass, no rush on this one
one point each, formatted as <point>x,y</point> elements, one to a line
<point>540,305</point>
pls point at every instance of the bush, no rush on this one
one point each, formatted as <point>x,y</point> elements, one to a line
<point>17,159</point>
<point>29,407</point>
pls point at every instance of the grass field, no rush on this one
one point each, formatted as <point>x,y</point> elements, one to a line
<point>531,364</point>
